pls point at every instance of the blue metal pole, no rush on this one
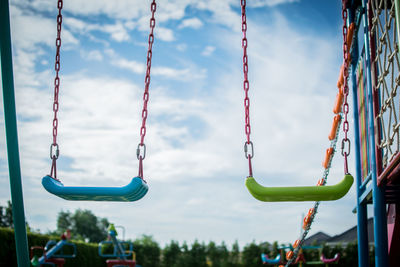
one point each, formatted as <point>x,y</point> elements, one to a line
<point>49,254</point>
<point>378,198</point>
<point>21,242</point>
<point>362,232</point>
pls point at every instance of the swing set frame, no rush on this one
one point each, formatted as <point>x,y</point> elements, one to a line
<point>372,190</point>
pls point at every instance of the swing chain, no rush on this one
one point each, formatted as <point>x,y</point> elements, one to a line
<point>139,153</point>
<point>54,148</point>
<point>248,150</point>
<point>54,151</point>
<point>246,86</point>
<point>346,54</point>
<point>345,152</point>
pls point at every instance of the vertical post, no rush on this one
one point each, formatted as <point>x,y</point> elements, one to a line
<point>378,198</point>
<point>362,231</point>
<point>21,242</point>
<point>397,8</point>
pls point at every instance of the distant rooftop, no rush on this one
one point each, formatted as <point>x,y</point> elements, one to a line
<point>345,237</point>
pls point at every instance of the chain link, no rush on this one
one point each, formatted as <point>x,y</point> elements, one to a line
<point>321,182</point>
<point>246,87</point>
<point>248,150</point>
<point>55,153</point>
<point>142,155</point>
<point>345,141</point>
<point>346,61</point>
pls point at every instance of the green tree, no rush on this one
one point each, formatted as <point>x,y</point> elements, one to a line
<point>147,251</point>
<point>212,254</point>
<point>218,255</point>
<point>83,224</point>
<point>184,259</point>
<point>91,228</point>
<point>275,251</point>
<point>171,254</point>
<point>224,253</point>
<point>234,257</point>
<point>349,256</point>
<point>64,221</point>
<point>197,255</point>
<point>251,255</point>
<point>6,217</point>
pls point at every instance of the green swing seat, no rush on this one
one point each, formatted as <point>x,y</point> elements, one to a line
<point>133,191</point>
<point>300,193</point>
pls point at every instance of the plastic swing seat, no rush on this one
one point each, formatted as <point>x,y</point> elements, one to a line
<point>300,193</point>
<point>133,191</point>
<point>335,259</point>
<point>267,260</point>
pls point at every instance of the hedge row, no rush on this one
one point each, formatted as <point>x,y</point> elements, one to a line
<point>149,254</point>
<point>87,253</point>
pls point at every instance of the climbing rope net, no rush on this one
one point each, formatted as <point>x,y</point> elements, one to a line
<point>386,80</point>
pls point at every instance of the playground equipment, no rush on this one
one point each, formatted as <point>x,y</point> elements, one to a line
<point>322,259</point>
<point>266,260</point>
<point>134,190</point>
<point>320,192</point>
<point>53,253</point>
<point>375,80</point>
<point>327,261</point>
<point>119,250</point>
<point>304,193</point>
<point>279,259</point>
<point>10,122</point>
<point>300,259</point>
<point>374,68</point>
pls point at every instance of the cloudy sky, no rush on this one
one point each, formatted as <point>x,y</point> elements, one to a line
<point>195,164</point>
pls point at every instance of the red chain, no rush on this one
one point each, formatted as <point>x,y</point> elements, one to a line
<point>54,149</point>
<point>248,145</point>
<point>346,54</point>
<point>141,154</point>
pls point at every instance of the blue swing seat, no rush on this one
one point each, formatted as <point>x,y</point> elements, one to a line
<point>135,190</point>
<point>267,260</point>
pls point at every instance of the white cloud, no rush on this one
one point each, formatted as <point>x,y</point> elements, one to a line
<point>124,9</point>
<point>164,34</point>
<point>261,3</point>
<point>181,47</point>
<point>222,12</point>
<point>94,55</point>
<point>194,23</point>
<point>184,74</point>
<point>117,32</point>
<point>208,51</point>
<point>132,66</point>
<point>78,25</point>
<point>29,31</point>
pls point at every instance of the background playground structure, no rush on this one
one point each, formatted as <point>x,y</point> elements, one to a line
<point>374,82</point>
<point>151,254</point>
<point>54,252</point>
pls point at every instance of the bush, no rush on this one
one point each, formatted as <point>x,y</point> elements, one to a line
<point>147,251</point>
<point>86,253</point>
<point>149,254</point>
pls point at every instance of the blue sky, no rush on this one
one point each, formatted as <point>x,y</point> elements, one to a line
<point>195,165</point>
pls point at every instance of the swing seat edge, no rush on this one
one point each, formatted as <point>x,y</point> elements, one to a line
<point>266,260</point>
<point>299,193</point>
<point>133,191</point>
